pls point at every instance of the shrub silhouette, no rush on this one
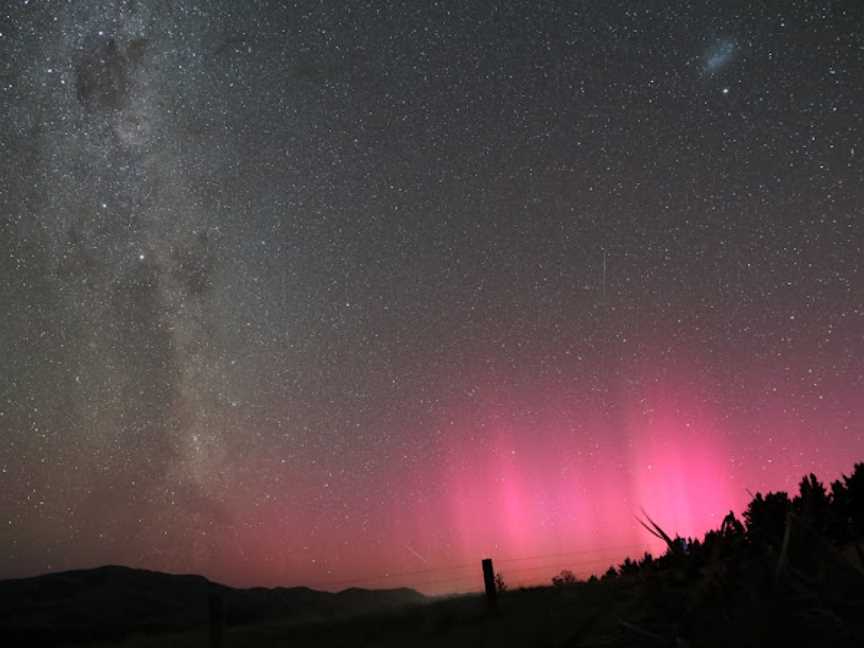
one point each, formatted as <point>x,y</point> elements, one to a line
<point>565,579</point>
<point>785,575</point>
<point>500,585</point>
<point>830,518</point>
<point>628,567</point>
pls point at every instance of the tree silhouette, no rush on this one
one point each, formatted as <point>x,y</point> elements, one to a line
<point>766,519</point>
<point>845,523</point>
<point>855,488</point>
<point>565,579</point>
<point>812,503</point>
<point>771,578</point>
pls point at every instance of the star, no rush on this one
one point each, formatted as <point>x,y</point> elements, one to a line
<point>445,279</point>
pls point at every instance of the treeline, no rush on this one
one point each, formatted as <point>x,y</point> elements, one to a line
<point>835,516</point>
<point>790,573</point>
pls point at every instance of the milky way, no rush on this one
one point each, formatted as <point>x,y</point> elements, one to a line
<point>304,293</point>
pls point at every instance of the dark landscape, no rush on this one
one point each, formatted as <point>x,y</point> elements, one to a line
<point>111,603</point>
<point>790,574</point>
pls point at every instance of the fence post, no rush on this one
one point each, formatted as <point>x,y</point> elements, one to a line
<point>216,619</point>
<point>489,582</point>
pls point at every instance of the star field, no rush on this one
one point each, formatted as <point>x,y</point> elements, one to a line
<point>300,292</point>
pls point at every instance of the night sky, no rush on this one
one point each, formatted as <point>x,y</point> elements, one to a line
<point>327,292</point>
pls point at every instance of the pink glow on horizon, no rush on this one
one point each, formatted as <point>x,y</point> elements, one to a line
<point>525,486</point>
<point>515,475</point>
<point>680,465</point>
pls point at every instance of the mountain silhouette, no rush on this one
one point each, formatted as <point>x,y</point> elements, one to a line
<point>113,602</point>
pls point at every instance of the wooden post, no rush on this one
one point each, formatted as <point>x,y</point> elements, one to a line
<point>489,582</point>
<point>216,619</point>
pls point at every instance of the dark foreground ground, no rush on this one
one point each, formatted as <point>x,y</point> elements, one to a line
<point>660,610</point>
<point>665,603</point>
